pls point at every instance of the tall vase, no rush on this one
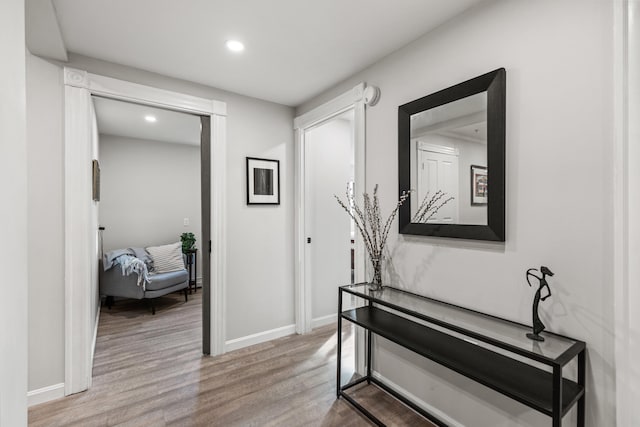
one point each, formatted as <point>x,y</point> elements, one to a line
<point>376,281</point>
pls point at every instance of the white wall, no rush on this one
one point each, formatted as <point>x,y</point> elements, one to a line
<point>45,223</point>
<point>559,184</point>
<point>148,188</point>
<point>13,216</point>
<point>260,291</point>
<point>328,168</point>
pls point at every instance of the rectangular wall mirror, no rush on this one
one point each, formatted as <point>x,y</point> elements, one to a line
<point>454,141</point>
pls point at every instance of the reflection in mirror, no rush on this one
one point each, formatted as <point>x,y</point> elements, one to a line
<point>449,153</point>
<point>451,144</point>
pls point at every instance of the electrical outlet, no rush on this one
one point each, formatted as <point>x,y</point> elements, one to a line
<point>186,222</point>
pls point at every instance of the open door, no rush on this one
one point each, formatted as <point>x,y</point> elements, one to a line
<point>329,170</point>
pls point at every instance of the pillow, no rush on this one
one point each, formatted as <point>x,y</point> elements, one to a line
<point>167,257</point>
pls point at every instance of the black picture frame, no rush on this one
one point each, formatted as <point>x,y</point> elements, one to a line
<point>494,83</point>
<point>263,181</point>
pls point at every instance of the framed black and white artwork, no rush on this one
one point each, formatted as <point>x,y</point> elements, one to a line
<point>263,181</point>
<point>479,185</point>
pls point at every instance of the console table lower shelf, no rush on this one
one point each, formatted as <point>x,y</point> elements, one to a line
<point>543,391</point>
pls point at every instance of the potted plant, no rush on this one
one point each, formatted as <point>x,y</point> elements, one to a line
<point>188,241</point>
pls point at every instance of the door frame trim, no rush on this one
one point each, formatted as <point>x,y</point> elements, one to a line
<point>350,100</point>
<point>626,206</point>
<point>79,86</point>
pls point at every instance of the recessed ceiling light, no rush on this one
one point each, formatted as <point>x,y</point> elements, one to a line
<point>150,119</point>
<point>235,46</point>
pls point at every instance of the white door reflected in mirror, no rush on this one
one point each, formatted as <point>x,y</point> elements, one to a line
<point>438,170</point>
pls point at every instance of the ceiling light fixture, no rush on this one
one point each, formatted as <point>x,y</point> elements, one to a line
<point>150,119</point>
<point>234,45</point>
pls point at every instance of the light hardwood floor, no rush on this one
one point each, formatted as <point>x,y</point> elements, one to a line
<point>149,371</point>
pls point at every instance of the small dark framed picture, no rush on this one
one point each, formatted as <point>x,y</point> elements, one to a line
<point>96,180</point>
<point>263,181</point>
<point>479,185</point>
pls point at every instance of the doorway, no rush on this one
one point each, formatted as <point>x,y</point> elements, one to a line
<point>150,190</point>
<point>353,101</point>
<point>329,166</point>
<point>79,252</point>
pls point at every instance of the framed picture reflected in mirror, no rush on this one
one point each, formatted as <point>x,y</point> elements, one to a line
<point>479,185</point>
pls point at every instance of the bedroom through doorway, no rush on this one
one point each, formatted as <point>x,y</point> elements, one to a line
<point>152,183</point>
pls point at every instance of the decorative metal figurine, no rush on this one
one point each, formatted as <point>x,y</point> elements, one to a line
<point>538,326</point>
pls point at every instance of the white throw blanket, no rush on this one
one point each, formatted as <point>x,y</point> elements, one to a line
<point>111,258</point>
<point>131,264</point>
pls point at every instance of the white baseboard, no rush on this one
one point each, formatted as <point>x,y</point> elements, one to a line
<point>45,394</point>
<point>258,338</point>
<point>419,402</point>
<point>324,320</point>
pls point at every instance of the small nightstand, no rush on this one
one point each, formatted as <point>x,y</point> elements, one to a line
<point>192,267</point>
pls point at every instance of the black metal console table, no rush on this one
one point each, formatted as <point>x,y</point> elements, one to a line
<point>548,392</point>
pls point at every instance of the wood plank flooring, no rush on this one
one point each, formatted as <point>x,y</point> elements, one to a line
<point>149,371</point>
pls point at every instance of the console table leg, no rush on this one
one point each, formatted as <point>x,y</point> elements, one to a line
<point>369,357</point>
<point>339,338</point>
<point>369,353</point>
<point>557,396</point>
<point>581,381</point>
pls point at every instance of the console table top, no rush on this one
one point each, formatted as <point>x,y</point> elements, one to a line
<point>555,349</point>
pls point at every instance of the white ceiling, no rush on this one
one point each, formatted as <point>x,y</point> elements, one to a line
<point>295,49</point>
<point>464,119</point>
<point>126,119</point>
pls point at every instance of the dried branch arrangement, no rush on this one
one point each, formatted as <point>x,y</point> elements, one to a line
<point>369,223</point>
<point>430,206</point>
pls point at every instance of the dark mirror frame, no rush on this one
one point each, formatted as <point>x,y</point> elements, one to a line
<point>494,83</point>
